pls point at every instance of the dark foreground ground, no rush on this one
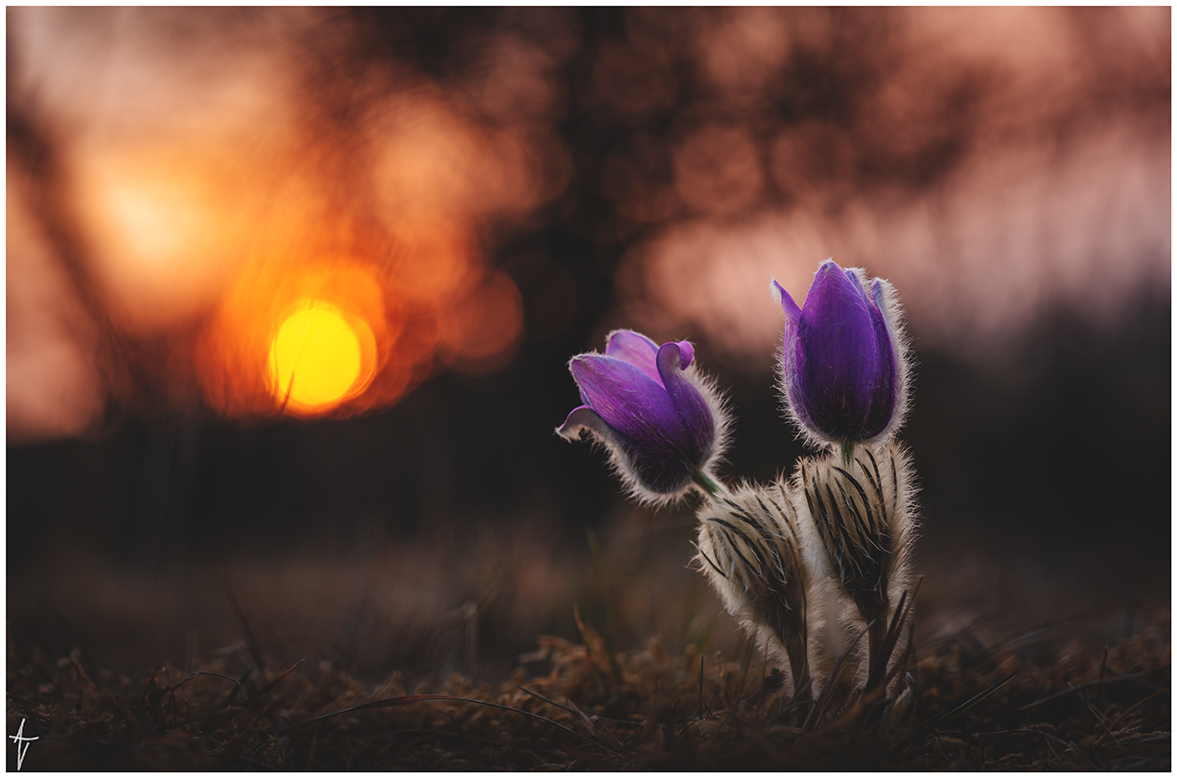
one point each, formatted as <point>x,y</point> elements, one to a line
<point>1036,699</point>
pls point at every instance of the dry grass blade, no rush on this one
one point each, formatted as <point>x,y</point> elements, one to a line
<point>154,679</point>
<point>239,688</point>
<point>1095,714</point>
<point>554,704</point>
<point>253,701</point>
<point>1081,687</point>
<point>217,721</point>
<point>963,707</point>
<point>831,681</point>
<point>588,721</point>
<point>590,636</point>
<point>1149,698</point>
<point>878,674</point>
<point>902,613</point>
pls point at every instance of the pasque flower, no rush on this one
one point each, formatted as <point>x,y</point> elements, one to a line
<point>843,367</point>
<point>661,421</point>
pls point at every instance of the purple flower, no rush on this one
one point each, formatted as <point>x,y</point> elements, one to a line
<point>843,366</point>
<point>660,420</point>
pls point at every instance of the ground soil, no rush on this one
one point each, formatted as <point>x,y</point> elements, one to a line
<point>1031,701</point>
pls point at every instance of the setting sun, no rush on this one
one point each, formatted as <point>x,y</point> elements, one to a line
<point>316,360</point>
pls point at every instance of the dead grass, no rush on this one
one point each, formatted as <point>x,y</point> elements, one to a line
<point>1028,701</point>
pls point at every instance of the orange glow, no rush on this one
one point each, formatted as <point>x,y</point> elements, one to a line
<point>484,326</point>
<point>168,231</point>
<point>315,328</point>
<point>417,298</point>
<point>209,210</point>
<point>205,176</point>
<point>316,360</point>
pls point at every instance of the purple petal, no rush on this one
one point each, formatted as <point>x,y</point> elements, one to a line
<point>636,349</point>
<point>882,401</point>
<point>692,408</point>
<point>836,362</point>
<point>657,468</point>
<point>852,275</point>
<point>887,379</point>
<point>641,418</point>
<point>627,399</point>
<point>792,312</point>
<point>584,417</point>
<point>840,366</point>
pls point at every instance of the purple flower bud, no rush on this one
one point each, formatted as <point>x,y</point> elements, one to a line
<point>843,365</point>
<point>661,421</point>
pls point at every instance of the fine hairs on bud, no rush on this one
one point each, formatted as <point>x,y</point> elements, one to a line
<point>863,517</point>
<point>892,310</point>
<point>749,549</point>
<point>621,461</point>
<point>883,295</point>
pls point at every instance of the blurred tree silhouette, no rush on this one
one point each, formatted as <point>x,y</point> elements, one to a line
<point>1049,449</point>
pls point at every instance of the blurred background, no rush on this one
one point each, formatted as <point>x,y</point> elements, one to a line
<point>428,211</point>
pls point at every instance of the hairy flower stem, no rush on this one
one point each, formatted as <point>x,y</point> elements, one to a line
<point>709,484</point>
<point>863,524</point>
<point>873,606</point>
<point>749,550</point>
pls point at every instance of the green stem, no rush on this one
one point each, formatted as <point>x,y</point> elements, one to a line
<point>847,453</point>
<point>709,484</point>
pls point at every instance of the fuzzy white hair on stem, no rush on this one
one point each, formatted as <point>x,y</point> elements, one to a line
<point>863,519</point>
<point>749,549</point>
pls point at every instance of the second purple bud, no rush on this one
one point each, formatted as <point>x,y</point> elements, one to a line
<point>662,422</point>
<point>843,367</point>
